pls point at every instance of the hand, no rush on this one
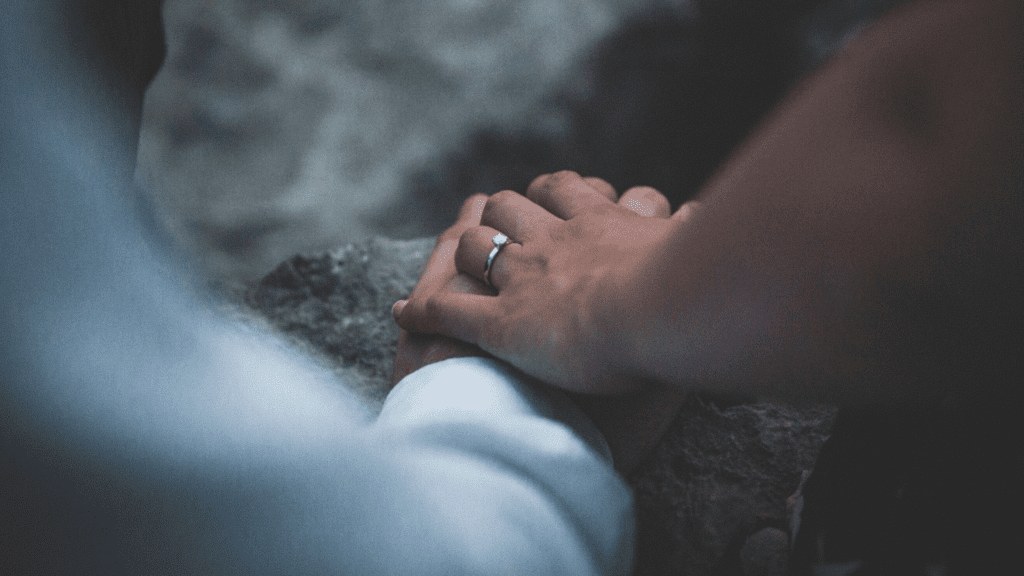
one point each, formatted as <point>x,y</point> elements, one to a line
<point>558,308</point>
<point>418,350</point>
<point>632,424</point>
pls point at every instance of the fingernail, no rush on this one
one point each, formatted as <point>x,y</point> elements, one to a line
<point>396,310</point>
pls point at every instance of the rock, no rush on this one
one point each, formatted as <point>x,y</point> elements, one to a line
<point>765,553</point>
<point>339,304</point>
<point>719,475</point>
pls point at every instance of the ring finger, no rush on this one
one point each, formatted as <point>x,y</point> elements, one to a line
<point>516,216</point>
<point>475,248</point>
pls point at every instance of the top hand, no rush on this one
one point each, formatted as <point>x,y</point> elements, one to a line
<point>554,315</point>
<point>631,424</point>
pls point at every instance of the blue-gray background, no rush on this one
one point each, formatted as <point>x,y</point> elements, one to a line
<point>280,126</point>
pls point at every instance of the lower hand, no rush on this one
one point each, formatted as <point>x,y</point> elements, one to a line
<point>416,350</point>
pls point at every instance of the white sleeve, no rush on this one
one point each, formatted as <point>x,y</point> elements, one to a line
<point>517,480</point>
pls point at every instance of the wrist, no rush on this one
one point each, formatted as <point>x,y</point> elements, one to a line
<point>622,318</point>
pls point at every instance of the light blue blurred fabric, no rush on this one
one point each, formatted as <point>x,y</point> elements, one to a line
<point>544,470</point>
<point>141,433</point>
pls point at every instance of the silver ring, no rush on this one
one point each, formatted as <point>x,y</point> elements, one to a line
<point>499,242</point>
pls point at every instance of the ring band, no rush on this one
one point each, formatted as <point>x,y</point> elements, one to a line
<point>499,242</point>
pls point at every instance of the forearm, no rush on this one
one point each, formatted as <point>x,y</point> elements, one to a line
<point>858,235</point>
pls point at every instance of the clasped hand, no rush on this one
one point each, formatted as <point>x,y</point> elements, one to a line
<point>546,308</point>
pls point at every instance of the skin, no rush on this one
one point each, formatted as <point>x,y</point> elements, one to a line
<point>416,350</point>
<point>853,250</point>
<point>631,424</point>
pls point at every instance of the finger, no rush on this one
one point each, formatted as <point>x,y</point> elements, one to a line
<point>460,316</point>
<point>441,264</point>
<point>606,189</point>
<point>516,216</point>
<point>646,201</point>
<point>470,212</point>
<point>475,248</point>
<point>405,355</point>
<point>466,284</point>
<point>565,194</point>
<point>686,211</point>
<point>396,310</point>
<point>503,266</point>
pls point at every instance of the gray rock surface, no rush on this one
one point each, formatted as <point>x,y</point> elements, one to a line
<point>711,499</point>
<point>765,553</point>
<point>338,304</point>
<point>718,477</point>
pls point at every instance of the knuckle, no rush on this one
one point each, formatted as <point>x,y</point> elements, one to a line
<point>565,175</point>
<point>686,210</point>
<point>646,192</point>
<point>409,319</point>
<point>541,186</point>
<point>503,197</point>
<point>538,181</point>
<point>472,207</point>
<point>542,189</point>
<point>602,187</point>
<point>497,202</point>
<point>432,310</point>
<point>467,236</point>
<point>645,200</point>
<point>426,314</point>
<point>563,178</point>
<point>463,255</point>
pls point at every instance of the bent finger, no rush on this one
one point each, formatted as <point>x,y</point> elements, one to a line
<point>603,187</point>
<point>686,211</point>
<point>475,249</point>
<point>472,210</point>
<point>440,266</point>
<point>474,252</point>
<point>516,216</point>
<point>646,201</point>
<point>468,216</point>
<point>565,194</point>
<point>441,263</point>
<point>452,314</point>
<point>462,283</point>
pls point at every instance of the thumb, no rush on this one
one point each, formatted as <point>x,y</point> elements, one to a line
<point>396,310</point>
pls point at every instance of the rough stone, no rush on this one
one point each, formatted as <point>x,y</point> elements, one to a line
<point>339,304</point>
<point>765,553</point>
<point>719,478</point>
<point>719,475</point>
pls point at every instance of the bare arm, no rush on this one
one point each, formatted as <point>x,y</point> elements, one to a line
<point>865,236</point>
<point>858,247</point>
